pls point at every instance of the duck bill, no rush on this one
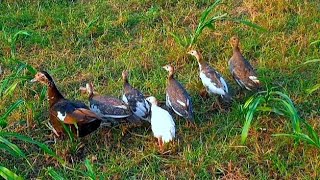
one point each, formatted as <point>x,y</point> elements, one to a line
<point>33,80</point>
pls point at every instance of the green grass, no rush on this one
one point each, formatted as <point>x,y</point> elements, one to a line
<point>81,41</point>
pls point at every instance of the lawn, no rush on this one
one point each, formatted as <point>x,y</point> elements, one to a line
<point>93,41</point>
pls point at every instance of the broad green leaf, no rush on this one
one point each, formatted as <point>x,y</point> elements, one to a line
<point>312,61</point>
<point>313,89</point>
<point>10,90</point>
<point>10,109</point>
<point>52,173</point>
<point>90,170</point>
<point>42,146</point>
<point>14,148</point>
<point>250,24</point>
<point>9,175</point>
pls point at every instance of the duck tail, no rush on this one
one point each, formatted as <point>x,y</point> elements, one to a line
<point>226,98</point>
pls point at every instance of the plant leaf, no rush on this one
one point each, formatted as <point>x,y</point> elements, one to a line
<point>10,109</point>
<point>15,150</point>
<point>42,146</point>
<point>52,173</point>
<point>9,175</point>
<point>312,61</point>
<point>313,89</point>
<point>250,24</point>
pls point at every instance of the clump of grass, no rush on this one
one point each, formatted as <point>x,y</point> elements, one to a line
<point>273,101</point>
<point>207,21</point>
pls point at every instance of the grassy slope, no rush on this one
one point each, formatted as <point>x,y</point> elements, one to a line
<point>135,35</point>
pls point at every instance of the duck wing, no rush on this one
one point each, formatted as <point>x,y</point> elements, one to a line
<point>179,99</point>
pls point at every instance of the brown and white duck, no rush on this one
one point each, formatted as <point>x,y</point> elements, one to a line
<point>211,78</point>
<point>135,99</point>
<point>75,115</point>
<point>177,98</point>
<point>241,70</point>
<point>106,107</point>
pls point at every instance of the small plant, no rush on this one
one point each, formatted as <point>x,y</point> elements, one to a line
<point>15,151</point>
<point>12,40</point>
<point>279,103</point>
<point>207,21</point>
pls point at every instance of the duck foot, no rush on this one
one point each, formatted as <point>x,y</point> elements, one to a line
<point>160,143</point>
<point>204,94</point>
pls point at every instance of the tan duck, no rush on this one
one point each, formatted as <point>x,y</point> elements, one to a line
<point>75,115</point>
<point>241,70</point>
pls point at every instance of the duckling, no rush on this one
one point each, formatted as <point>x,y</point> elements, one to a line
<point>241,70</point>
<point>75,115</point>
<point>162,123</point>
<point>177,98</point>
<point>211,78</point>
<point>106,107</point>
<point>135,99</point>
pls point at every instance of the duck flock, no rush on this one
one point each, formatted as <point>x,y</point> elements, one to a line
<point>83,120</point>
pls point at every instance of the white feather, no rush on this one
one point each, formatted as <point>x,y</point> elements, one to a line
<point>162,124</point>
<point>61,116</point>
<point>97,111</point>
<point>211,87</point>
<point>124,98</point>
<point>121,107</point>
<point>224,84</point>
<point>181,103</point>
<point>254,79</point>
<point>141,109</point>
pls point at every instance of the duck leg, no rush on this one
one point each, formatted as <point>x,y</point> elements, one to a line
<point>160,143</point>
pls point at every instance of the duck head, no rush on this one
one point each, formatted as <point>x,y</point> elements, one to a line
<point>169,68</point>
<point>234,41</point>
<point>152,100</point>
<point>88,89</point>
<point>43,77</point>
<point>196,54</point>
<point>125,75</point>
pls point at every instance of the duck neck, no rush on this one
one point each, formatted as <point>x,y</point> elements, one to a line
<point>54,94</point>
<point>236,49</point>
<point>170,76</point>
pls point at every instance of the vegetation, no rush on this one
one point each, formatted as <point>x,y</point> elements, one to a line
<point>81,41</point>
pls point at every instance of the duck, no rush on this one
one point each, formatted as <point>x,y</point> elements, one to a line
<point>106,107</point>
<point>64,112</point>
<point>211,78</point>
<point>240,68</point>
<point>177,98</point>
<point>162,123</point>
<point>135,99</point>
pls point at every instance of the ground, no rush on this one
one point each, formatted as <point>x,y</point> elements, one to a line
<point>82,41</point>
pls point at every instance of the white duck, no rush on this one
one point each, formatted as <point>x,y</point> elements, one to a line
<point>162,124</point>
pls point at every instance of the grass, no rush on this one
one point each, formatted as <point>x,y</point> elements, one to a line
<point>81,41</point>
